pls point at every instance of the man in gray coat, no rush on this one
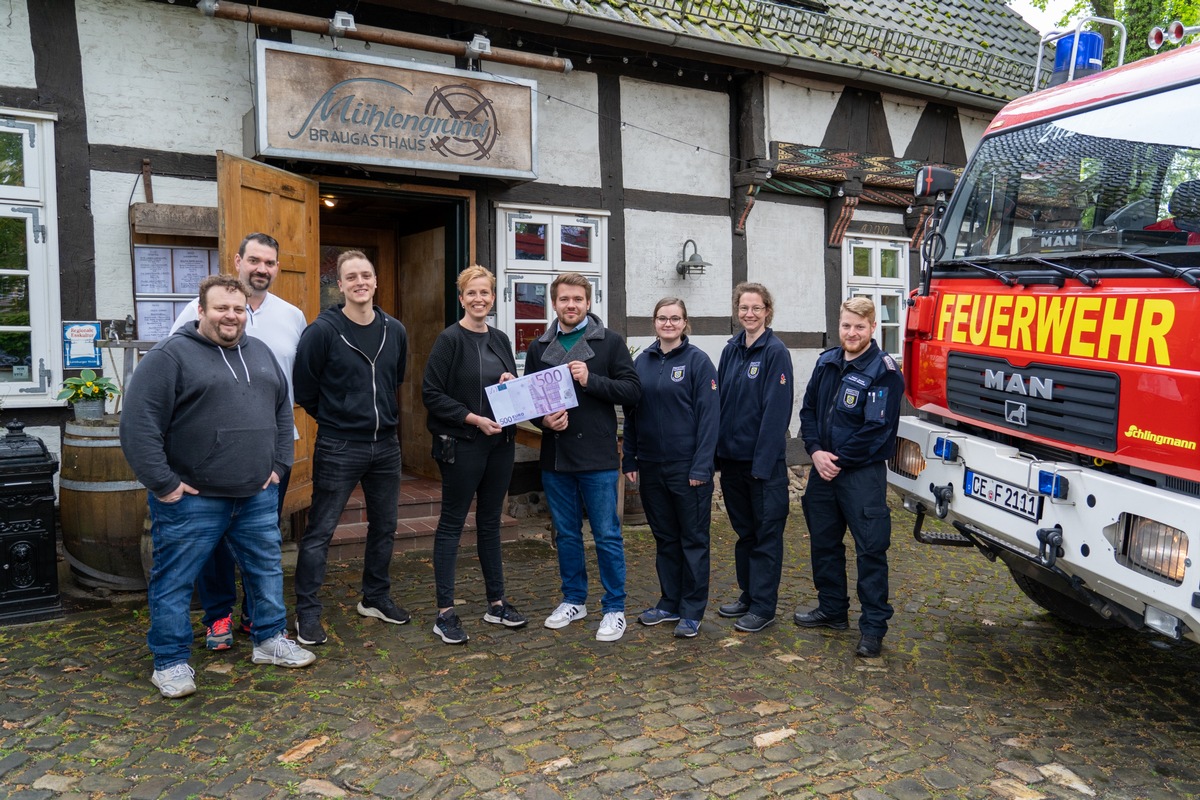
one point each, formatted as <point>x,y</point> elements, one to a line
<point>207,429</point>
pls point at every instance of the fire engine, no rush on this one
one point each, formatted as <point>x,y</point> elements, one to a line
<point>1052,348</point>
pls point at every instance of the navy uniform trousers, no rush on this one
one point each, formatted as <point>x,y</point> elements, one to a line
<point>856,499</point>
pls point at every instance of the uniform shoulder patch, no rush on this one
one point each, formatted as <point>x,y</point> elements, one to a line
<point>890,363</point>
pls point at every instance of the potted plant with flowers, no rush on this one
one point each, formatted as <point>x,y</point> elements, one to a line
<point>87,394</point>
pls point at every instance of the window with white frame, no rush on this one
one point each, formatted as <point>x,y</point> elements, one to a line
<point>878,269</point>
<point>30,329</point>
<point>535,244</point>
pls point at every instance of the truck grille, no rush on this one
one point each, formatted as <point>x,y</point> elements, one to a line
<point>1081,409</point>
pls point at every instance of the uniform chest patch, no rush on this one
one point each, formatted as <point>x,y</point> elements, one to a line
<point>850,397</point>
<point>677,373</point>
<point>753,370</point>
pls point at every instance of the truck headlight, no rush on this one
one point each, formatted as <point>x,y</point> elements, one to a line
<point>907,461</point>
<point>1154,548</point>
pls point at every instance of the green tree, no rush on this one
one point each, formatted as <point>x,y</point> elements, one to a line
<point>1138,17</point>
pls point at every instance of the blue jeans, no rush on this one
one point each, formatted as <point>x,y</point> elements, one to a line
<point>598,491</point>
<point>217,584</point>
<point>185,533</point>
<point>338,466</point>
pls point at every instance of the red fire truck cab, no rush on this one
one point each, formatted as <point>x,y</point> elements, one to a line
<point>1052,349</point>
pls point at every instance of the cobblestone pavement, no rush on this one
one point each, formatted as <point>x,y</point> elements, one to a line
<point>978,695</point>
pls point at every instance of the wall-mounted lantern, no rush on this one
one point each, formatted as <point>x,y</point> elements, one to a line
<point>690,265</point>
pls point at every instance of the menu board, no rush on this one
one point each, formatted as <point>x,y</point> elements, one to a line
<point>152,270</point>
<point>154,319</point>
<point>165,280</point>
<point>190,267</point>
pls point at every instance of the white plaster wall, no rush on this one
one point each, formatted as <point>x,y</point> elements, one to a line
<point>973,125</point>
<point>786,253</point>
<point>903,114</point>
<point>163,77</point>
<point>664,126</point>
<point>16,52</point>
<point>868,215</point>
<point>653,244</point>
<point>799,113</point>
<point>568,125</point>
<point>110,211</point>
<point>359,48</point>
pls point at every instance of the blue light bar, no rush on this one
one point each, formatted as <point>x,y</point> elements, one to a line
<point>945,449</point>
<point>1053,485</point>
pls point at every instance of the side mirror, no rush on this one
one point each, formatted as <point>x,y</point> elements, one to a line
<point>932,181</point>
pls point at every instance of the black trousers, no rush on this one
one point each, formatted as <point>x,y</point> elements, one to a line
<point>680,516</point>
<point>482,468</point>
<point>757,511</point>
<point>856,499</point>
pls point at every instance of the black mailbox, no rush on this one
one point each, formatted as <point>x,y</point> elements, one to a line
<point>28,561</point>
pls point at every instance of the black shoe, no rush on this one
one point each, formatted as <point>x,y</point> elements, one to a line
<point>752,623</point>
<point>506,614</point>
<point>869,646</point>
<point>819,619</point>
<point>735,609</point>
<point>449,628</point>
<point>309,630</point>
<point>383,608</point>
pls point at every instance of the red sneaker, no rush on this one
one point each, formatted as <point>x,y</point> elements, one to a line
<point>219,635</point>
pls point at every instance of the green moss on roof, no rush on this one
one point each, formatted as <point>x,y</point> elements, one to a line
<point>978,46</point>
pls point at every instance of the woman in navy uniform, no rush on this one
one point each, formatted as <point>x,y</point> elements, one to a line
<point>756,406</point>
<point>669,444</point>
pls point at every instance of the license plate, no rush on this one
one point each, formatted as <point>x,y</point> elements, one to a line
<point>1013,499</point>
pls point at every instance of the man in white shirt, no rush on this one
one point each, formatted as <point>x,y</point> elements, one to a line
<point>278,324</point>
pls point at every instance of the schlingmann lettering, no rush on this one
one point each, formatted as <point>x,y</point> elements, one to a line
<point>1114,328</point>
<point>1135,432</point>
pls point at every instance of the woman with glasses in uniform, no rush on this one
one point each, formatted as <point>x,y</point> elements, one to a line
<point>669,442</point>
<point>756,406</point>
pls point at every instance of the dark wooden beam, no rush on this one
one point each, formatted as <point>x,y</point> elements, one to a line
<point>58,70</point>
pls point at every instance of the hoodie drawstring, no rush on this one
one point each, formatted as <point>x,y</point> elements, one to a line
<point>230,366</point>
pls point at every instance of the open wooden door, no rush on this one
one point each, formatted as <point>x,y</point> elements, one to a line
<point>253,197</point>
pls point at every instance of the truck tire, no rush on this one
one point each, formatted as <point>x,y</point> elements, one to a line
<point>1064,607</point>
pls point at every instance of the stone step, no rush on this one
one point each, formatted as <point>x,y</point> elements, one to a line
<point>416,533</point>
<point>417,518</point>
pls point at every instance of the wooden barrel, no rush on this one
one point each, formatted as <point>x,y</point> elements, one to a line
<point>103,509</point>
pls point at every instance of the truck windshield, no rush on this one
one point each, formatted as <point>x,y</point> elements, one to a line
<point>1122,177</point>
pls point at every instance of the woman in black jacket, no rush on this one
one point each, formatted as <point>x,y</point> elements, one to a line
<point>473,452</point>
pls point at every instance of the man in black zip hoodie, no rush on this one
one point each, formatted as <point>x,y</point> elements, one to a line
<point>207,430</point>
<point>349,364</point>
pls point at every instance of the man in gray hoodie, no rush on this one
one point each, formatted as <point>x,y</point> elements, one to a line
<point>207,429</point>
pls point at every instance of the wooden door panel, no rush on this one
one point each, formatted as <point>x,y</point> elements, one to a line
<point>253,197</point>
<point>422,310</point>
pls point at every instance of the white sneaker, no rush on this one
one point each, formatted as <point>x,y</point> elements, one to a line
<point>612,627</point>
<point>282,652</point>
<point>565,614</point>
<point>177,680</point>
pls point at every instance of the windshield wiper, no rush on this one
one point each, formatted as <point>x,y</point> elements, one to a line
<point>1085,276</point>
<point>1189,275</point>
<point>1007,278</point>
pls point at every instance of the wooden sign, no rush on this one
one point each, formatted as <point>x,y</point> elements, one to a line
<point>319,105</point>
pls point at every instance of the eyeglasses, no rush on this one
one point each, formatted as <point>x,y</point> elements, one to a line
<point>254,261</point>
<point>751,309</point>
<point>665,320</point>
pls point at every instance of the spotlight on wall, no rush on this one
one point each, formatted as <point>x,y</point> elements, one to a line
<point>342,22</point>
<point>479,45</point>
<point>329,200</point>
<point>690,265</point>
